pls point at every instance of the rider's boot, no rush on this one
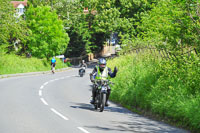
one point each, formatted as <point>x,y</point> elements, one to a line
<point>93,96</point>
<point>92,101</point>
<point>107,97</point>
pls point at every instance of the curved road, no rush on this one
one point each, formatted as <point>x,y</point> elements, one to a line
<point>59,103</point>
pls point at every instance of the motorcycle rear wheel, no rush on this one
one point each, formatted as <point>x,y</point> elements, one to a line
<point>53,70</point>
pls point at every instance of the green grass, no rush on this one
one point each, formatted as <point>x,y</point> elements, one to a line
<point>12,64</point>
<point>166,88</point>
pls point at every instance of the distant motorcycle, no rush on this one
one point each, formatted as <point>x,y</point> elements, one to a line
<point>82,71</point>
<point>101,92</point>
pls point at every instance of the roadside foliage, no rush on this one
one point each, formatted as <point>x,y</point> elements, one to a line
<point>159,86</point>
<point>12,64</point>
<point>12,30</point>
<point>168,87</point>
<point>48,37</point>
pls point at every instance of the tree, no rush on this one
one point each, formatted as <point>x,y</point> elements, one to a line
<point>89,31</point>
<point>77,26</point>
<point>193,11</point>
<point>168,22</point>
<point>36,3</point>
<point>48,37</point>
<point>12,29</point>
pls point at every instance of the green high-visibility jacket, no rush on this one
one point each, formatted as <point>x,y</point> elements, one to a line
<point>103,75</point>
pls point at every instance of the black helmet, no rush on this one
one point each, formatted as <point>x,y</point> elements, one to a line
<point>102,63</point>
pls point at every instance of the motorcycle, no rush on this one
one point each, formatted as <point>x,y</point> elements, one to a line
<point>82,71</point>
<point>102,87</point>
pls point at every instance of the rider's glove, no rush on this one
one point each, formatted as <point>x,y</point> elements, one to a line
<point>115,70</point>
<point>91,77</point>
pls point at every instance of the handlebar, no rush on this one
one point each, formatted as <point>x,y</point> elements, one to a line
<point>103,81</point>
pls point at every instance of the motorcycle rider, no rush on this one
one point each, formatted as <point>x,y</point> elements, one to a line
<point>101,71</point>
<point>83,64</point>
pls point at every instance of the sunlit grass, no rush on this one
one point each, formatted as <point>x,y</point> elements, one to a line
<point>162,87</point>
<point>11,64</point>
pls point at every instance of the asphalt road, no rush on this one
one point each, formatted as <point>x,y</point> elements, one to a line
<point>59,103</point>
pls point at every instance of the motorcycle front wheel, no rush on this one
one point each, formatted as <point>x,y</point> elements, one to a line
<point>96,103</point>
<point>81,75</point>
<point>103,101</point>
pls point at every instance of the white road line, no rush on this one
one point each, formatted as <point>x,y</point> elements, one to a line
<point>85,131</point>
<point>40,92</point>
<point>42,99</point>
<point>46,83</point>
<point>42,87</point>
<point>59,114</point>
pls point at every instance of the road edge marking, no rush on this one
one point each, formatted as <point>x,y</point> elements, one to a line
<point>40,92</point>
<point>42,99</point>
<point>59,114</point>
<point>82,129</point>
<point>42,87</point>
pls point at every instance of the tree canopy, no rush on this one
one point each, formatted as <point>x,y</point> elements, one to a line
<point>169,24</point>
<point>48,37</point>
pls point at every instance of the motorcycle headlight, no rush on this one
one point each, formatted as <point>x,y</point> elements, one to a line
<point>103,88</point>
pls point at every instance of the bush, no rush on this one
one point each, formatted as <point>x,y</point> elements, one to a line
<point>169,88</point>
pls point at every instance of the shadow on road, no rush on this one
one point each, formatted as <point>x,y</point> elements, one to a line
<point>133,123</point>
<point>83,106</point>
<point>88,106</point>
<point>137,124</point>
<point>135,128</point>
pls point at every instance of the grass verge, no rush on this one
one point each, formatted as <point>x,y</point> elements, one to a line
<point>167,89</point>
<point>12,64</point>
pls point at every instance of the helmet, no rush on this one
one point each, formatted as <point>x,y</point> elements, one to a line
<point>102,63</point>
